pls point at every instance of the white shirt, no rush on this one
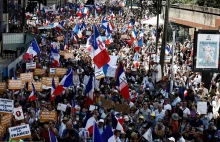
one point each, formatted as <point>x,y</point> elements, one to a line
<point>186,112</point>
<point>167,107</point>
<point>76,80</point>
<point>177,100</point>
<point>160,114</point>
<point>158,75</point>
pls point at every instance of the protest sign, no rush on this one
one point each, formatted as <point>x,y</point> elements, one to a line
<point>18,113</point>
<point>2,86</point>
<point>39,71</point>
<point>202,107</point>
<point>99,74</point>
<point>52,71</point>
<point>46,116</point>
<point>60,71</point>
<point>68,55</point>
<point>2,130</point>
<point>15,84</point>
<point>61,107</point>
<point>106,103</point>
<point>26,77</point>
<point>19,132</point>
<point>37,85</point>
<point>122,108</point>
<point>30,65</point>
<point>6,105</point>
<point>6,119</point>
<point>47,81</point>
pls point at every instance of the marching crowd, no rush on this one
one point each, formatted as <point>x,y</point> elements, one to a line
<point>190,113</point>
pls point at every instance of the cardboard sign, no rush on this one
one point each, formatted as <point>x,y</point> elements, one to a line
<point>124,36</point>
<point>106,103</point>
<point>18,113</point>
<point>2,86</point>
<point>47,81</point>
<point>15,84</point>
<point>19,132</point>
<point>6,105</point>
<point>61,107</point>
<point>39,72</point>
<point>37,85</point>
<point>202,107</point>
<point>60,71</point>
<point>46,116</point>
<point>6,119</point>
<point>68,55</point>
<point>99,74</point>
<point>31,65</point>
<point>26,77</point>
<point>122,108</point>
<point>2,129</point>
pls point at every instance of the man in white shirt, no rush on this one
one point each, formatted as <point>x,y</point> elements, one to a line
<point>166,105</point>
<point>160,112</point>
<point>176,99</point>
<point>186,111</point>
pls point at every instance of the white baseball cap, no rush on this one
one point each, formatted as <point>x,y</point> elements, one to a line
<point>171,139</point>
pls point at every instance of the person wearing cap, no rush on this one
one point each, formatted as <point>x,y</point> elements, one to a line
<point>209,134</point>
<point>100,125</point>
<point>196,122</point>
<point>174,123</point>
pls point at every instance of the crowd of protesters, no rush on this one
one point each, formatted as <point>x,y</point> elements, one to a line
<point>155,113</point>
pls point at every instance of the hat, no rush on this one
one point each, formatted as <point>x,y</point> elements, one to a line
<point>65,118</point>
<point>133,134</point>
<point>211,123</point>
<point>36,77</point>
<point>101,121</point>
<point>153,114</point>
<point>175,116</point>
<point>141,117</point>
<point>171,139</point>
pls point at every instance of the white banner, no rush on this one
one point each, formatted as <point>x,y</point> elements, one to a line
<point>18,113</point>
<point>31,65</point>
<point>6,105</point>
<point>61,107</point>
<point>19,132</point>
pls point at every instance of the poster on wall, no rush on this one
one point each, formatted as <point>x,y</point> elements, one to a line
<point>207,51</point>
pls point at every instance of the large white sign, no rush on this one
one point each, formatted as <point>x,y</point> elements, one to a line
<point>6,105</point>
<point>207,51</point>
<point>18,113</point>
<point>19,132</point>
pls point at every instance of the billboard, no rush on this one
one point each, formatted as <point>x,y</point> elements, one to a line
<point>206,51</point>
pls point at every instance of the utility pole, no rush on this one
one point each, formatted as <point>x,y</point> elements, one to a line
<point>164,40</point>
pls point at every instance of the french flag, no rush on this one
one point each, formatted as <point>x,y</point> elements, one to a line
<point>65,82</point>
<point>89,124</point>
<point>117,123</point>
<point>55,56</point>
<point>167,50</point>
<point>133,34</point>
<point>96,134</point>
<point>104,24</point>
<point>53,87</point>
<point>134,96</point>
<point>100,54</point>
<point>74,106</point>
<point>79,13</point>
<point>52,136</point>
<point>131,24</point>
<point>85,10</point>
<point>32,51</point>
<point>32,96</point>
<point>138,45</point>
<point>107,135</point>
<point>109,40</point>
<point>141,34</point>
<point>112,16</point>
<point>60,26</point>
<point>121,82</point>
<point>111,27</point>
<point>89,90</point>
<point>98,8</point>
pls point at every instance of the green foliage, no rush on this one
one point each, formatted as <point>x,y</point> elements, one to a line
<point>207,3</point>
